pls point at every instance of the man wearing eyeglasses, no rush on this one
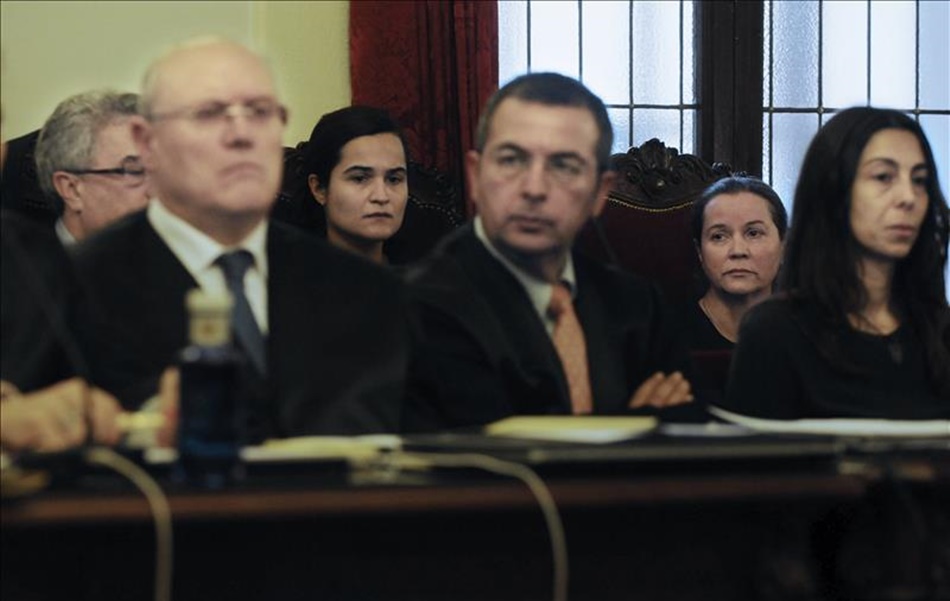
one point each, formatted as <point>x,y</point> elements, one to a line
<point>324,333</point>
<point>516,322</point>
<point>87,164</point>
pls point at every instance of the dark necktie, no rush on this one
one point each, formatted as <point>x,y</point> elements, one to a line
<point>246,331</point>
<point>568,338</point>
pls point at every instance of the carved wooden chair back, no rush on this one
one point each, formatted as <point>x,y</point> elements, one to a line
<point>645,225</point>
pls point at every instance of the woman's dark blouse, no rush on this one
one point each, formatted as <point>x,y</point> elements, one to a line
<point>778,372</point>
<point>699,332</point>
<point>709,354</point>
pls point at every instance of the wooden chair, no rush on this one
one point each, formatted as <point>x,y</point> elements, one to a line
<point>645,226</point>
<point>433,210</point>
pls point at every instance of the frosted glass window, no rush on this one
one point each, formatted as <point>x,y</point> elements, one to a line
<point>934,69</point>
<point>656,52</point>
<point>554,37</point>
<point>844,53</point>
<point>795,53</point>
<point>656,123</point>
<point>937,130</point>
<point>766,57</point>
<point>620,119</point>
<point>512,40</point>
<point>689,66</point>
<point>902,67</point>
<point>793,132</point>
<point>688,142</point>
<point>606,50</point>
<point>893,54</point>
<point>609,45</point>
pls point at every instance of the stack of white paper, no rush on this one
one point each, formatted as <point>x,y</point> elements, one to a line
<point>935,428</point>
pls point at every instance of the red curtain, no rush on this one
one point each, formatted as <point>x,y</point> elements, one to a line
<point>432,65</point>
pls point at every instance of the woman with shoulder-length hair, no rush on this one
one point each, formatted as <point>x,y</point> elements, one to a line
<point>356,165</point>
<point>738,227</point>
<point>862,328</point>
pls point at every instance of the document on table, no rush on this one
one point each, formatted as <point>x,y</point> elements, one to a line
<point>934,428</point>
<point>322,447</point>
<point>572,428</point>
<point>301,448</point>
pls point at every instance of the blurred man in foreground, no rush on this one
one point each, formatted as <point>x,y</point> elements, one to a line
<point>324,333</point>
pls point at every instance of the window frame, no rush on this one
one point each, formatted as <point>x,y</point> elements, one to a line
<point>730,83</point>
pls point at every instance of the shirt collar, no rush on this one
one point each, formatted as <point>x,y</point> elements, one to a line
<point>196,250</point>
<point>538,290</point>
<point>62,232</point>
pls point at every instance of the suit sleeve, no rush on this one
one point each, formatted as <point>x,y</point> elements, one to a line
<point>669,354</point>
<point>452,382</point>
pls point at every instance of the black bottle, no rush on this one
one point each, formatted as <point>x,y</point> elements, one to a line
<point>209,422</point>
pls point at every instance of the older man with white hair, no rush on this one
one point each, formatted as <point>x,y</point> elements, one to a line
<point>324,332</point>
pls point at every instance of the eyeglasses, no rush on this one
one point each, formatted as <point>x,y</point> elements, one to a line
<point>215,114</point>
<point>131,170</point>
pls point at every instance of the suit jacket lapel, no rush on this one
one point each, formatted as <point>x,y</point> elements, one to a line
<point>134,320</point>
<point>528,343</point>
<point>166,286</point>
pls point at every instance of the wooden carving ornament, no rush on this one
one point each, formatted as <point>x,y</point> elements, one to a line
<point>655,177</point>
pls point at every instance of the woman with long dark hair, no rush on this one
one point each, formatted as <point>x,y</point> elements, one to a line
<point>862,328</point>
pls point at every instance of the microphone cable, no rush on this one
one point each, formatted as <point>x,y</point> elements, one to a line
<point>160,510</point>
<point>423,461</point>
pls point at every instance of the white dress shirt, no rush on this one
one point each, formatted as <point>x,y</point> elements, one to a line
<point>62,232</point>
<point>538,290</point>
<point>198,252</point>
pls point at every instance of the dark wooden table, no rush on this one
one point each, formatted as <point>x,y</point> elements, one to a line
<point>727,533</point>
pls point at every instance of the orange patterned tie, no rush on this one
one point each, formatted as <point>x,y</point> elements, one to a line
<point>569,341</point>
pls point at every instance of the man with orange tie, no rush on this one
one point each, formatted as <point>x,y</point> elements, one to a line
<point>512,322</point>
